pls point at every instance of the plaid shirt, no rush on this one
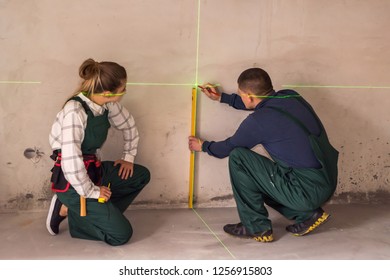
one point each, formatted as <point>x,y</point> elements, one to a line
<point>67,134</point>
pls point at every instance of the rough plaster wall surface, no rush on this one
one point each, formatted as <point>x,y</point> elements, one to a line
<point>306,42</point>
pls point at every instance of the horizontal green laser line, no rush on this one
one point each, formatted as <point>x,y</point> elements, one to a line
<point>215,235</point>
<point>275,96</point>
<point>157,84</point>
<point>19,82</point>
<point>321,86</point>
<point>195,84</point>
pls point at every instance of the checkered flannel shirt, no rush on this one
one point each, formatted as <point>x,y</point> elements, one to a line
<point>67,134</point>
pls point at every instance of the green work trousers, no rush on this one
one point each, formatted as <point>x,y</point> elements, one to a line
<point>294,192</point>
<point>257,180</point>
<point>105,221</point>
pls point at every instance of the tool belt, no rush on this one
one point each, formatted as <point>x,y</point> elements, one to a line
<point>58,181</point>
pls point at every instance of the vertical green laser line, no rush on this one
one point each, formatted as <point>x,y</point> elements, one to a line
<point>193,114</point>
<point>215,235</point>
<point>197,46</point>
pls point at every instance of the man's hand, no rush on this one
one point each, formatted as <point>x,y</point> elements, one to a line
<point>211,91</point>
<point>195,144</point>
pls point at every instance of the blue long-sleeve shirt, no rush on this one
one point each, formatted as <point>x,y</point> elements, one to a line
<point>283,139</point>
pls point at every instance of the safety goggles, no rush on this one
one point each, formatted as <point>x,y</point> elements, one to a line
<point>111,94</point>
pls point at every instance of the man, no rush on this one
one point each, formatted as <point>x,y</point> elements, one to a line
<point>302,174</point>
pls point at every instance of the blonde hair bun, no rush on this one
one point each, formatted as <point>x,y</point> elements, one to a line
<point>89,69</point>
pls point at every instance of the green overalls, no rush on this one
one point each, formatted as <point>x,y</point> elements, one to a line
<point>294,192</point>
<point>104,221</point>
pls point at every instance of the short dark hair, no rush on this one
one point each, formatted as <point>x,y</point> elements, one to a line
<point>255,80</point>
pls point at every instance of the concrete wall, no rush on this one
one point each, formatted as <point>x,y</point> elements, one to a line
<point>299,42</point>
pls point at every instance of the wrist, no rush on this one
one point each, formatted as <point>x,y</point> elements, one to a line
<point>200,144</point>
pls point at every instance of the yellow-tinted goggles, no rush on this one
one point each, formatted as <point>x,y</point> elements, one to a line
<point>111,94</point>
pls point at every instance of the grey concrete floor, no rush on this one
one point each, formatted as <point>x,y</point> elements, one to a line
<point>354,232</point>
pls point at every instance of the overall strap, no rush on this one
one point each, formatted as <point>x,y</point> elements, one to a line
<point>296,120</point>
<point>310,109</point>
<point>83,103</point>
<point>96,129</point>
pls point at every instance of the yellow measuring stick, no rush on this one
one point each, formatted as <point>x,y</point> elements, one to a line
<point>192,155</point>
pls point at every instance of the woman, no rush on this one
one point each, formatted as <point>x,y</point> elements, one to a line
<point>79,131</point>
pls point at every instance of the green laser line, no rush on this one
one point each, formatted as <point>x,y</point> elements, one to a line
<point>157,84</point>
<point>197,46</point>
<point>19,82</point>
<point>165,84</point>
<point>215,235</point>
<point>348,87</point>
<point>275,96</point>
<point>194,96</point>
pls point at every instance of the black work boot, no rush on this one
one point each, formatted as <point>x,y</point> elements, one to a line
<point>239,230</point>
<point>317,219</point>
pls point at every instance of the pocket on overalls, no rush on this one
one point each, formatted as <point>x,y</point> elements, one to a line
<point>58,181</point>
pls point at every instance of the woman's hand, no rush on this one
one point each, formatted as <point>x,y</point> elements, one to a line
<point>105,193</point>
<point>126,168</point>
